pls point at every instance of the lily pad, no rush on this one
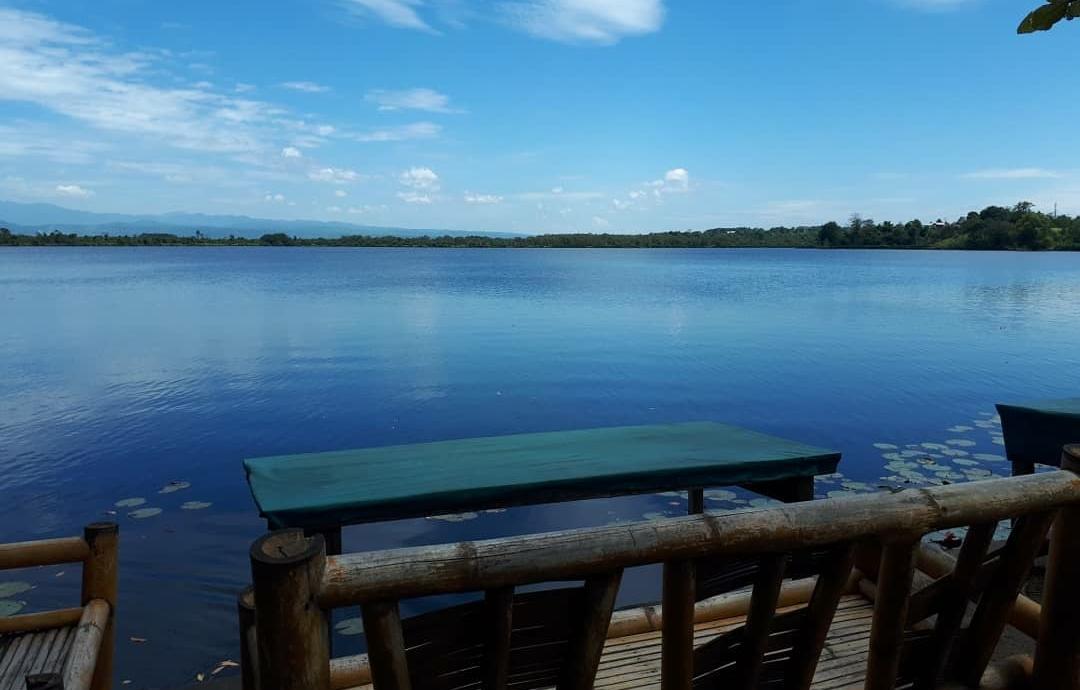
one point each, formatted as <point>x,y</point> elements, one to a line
<point>959,429</point>
<point>454,517</point>
<point>934,446</point>
<point>10,589</point>
<point>130,502</point>
<point>960,442</point>
<point>965,462</point>
<point>195,505</point>
<point>143,513</point>
<point>763,502</point>
<point>885,446</point>
<point>989,457</point>
<point>9,607</point>
<point>978,473</point>
<point>998,440</point>
<point>350,626</point>
<point>174,486</point>
<point>720,495</point>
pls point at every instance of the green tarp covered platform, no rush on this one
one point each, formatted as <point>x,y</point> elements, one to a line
<point>1036,431</point>
<point>372,484</point>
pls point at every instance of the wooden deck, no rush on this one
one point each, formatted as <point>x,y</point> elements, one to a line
<point>33,653</point>
<point>633,662</point>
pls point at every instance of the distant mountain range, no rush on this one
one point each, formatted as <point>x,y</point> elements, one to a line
<point>33,218</point>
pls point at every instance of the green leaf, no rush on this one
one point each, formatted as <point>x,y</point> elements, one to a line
<point>1043,18</point>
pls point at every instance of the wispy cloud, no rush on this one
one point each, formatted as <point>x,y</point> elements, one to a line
<point>304,86</point>
<point>482,199</point>
<point>334,175</point>
<point>1011,174</point>
<point>586,21</point>
<point>420,178</point>
<point>398,13</point>
<point>411,99</point>
<point>67,70</point>
<point>417,130</point>
<point>73,191</point>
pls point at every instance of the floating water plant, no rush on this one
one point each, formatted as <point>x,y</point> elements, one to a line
<point>10,589</point>
<point>143,513</point>
<point>195,505</point>
<point>130,502</point>
<point>174,486</point>
<point>350,626</point>
<point>454,517</point>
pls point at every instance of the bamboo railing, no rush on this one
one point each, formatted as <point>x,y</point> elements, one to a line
<point>88,665</point>
<point>296,585</point>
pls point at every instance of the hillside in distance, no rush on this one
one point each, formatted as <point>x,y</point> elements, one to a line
<point>25,218</point>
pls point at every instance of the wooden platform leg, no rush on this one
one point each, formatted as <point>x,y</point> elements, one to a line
<point>794,490</point>
<point>1057,654</point>
<point>890,613</point>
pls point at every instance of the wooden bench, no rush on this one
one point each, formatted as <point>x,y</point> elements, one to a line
<point>66,649</point>
<point>880,612</point>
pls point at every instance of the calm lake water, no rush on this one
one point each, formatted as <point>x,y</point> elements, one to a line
<point>122,370</point>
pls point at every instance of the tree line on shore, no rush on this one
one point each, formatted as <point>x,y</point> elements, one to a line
<point>1017,227</point>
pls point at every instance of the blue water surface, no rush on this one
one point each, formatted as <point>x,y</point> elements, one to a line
<point>122,370</point>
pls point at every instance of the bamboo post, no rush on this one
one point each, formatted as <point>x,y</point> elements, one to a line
<point>677,638</point>
<point>291,628</point>
<point>386,646</point>
<point>951,614</point>
<point>819,616</point>
<point>587,640</point>
<point>249,659</point>
<point>890,613</point>
<point>499,621</point>
<point>1057,653</point>
<point>100,574</point>
<point>992,613</point>
<point>766,592</point>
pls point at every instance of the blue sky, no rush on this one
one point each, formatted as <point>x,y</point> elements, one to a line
<point>537,115</point>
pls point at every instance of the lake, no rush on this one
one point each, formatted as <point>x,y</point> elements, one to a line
<point>124,370</point>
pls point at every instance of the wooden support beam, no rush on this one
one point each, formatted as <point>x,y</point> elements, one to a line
<point>291,628</point>
<point>386,646</point>
<point>1057,654</point>
<point>765,594</point>
<point>677,640</point>
<point>890,613</point>
<point>954,602</point>
<point>499,624</point>
<point>831,584</point>
<point>996,603</point>
<point>31,554</point>
<point>100,581</point>
<point>695,501</point>
<point>573,554</point>
<point>586,642</point>
<point>84,659</point>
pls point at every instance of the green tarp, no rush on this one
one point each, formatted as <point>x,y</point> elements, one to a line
<point>371,484</point>
<point>1036,431</point>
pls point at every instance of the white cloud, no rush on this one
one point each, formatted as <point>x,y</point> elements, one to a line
<point>274,198</point>
<point>414,197</point>
<point>600,222</point>
<point>417,130</point>
<point>678,178</point>
<point>334,175</point>
<point>586,21</point>
<point>420,178</point>
<point>411,99</point>
<point>244,88</point>
<point>304,86</point>
<point>340,193</point>
<point>558,193</point>
<point>73,190</point>
<point>291,152</point>
<point>399,13</point>
<point>1012,174</point>
<point>67,70</point>
<point>482,199</point>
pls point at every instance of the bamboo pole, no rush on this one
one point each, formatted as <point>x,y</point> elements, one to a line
<point>890,613</point>
<point>475,566</point>
<point>499,623</point>
<point>249,653</point>
<point>763,600</point>
<point>291,629</point>
<point>84,659</point>
<point>586,642</point>
<point>386,646</point>
<point>31,554</point>
<point>830,586</point>
<point>100,580</point>
<point>677,640</point>
<point>31,622</point>
<point>1057,653</point>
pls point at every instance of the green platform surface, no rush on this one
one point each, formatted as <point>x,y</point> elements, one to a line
<point>392,482</point>
<point>1036,431</point>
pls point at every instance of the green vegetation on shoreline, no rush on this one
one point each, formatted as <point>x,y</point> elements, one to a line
<point>1017,227</point>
